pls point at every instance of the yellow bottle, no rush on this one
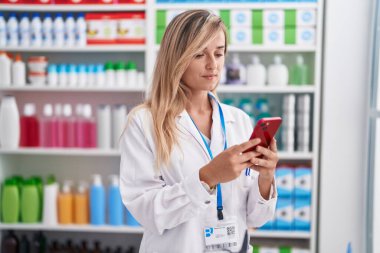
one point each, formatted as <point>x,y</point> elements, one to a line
<point>81,209</point>
<point>65,204</point>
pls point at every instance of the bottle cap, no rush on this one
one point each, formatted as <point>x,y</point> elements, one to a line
<point>109,65</point>
<point>99,68</point>
<point>24,15</point>
<point>48,110</point>
<point>255,59</point>
<point>47,15</point>
<point>114,180</point>
<point>120,65</point>
<point>67,110</point>
<point>81,15</point>
<point>69,15</point>
<point>50,180</point>
<point>35,15</point>
<point>300,60</point>
<point>82,187</point>
<point>79,109</point>
<point>58,110</point>
<point>87,111</point>
<point>131,65</point>
<point>81,68</point>
<point>58,15</point>
<point>52,68</point>
<point>277,59</point>
<point>29,109</point>
<point>72,68</point>
<point>61,68</point>
<point>97,180</point>
<point>67,186</point>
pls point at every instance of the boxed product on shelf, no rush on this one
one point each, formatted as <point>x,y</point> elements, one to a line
<point>241,36</point>
<point>302,214</point>
<point>284,214</point>
<point>131,28</point>
<point>302,182</point>
<point>285,181</point>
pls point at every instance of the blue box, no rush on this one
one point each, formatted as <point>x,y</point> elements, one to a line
<point>270,225</point>
<point>302,182</point>
<point>285,182</point>
<point>302,214</point>
<point>284,214</point>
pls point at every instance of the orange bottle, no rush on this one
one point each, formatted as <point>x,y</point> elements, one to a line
<point>65,204</point>
<point>81,205</point>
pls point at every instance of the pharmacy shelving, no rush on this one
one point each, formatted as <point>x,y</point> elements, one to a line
<point>267,49</point>
<point>71,7</point>
<point>266,89</point>
<point>68,89</point>
<point>229,6</point>
<point>86,49</point>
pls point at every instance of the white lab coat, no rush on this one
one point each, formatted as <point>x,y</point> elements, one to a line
<point>171,204</point>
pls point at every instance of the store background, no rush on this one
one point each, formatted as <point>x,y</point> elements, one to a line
<point>343,188</point>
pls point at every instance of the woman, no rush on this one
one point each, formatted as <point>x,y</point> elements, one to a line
<point>183,165</point>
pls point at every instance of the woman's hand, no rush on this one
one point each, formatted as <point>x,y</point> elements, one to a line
<point>266,164</point>
<point>229,164</point>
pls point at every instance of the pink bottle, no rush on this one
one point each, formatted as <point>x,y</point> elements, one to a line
<point>79,129</point>
<point>29,130</point>
<point>46,129</point>
<point>68,127</point>
<point>89,127</point>
<point>58,132</point>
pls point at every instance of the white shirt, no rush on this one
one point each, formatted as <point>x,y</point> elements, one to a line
<point>171,203</point>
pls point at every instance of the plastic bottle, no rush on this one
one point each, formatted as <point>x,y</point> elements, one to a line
<point>131,71</point>
<point>247,106</point>
<point>39,184</point>
<point>12,30</point>
<point>39,243</point>
<point>97,248</point>
<point>58,31</point>
<point>79,127</point>
<point>58,137</point>
<point>97,202</point>
<point>278,73</point>
<point>24,245</point>
<point>47,31</point>
<point>131,221</point>
<point>104,126</point>
<point>140,79</point>
<point>120,75</point>
<point>82,75</point>
<point>262,107</point>
<point>65,204</point>
<point>80,31</point>
<point>18,71</point>
<point>10,243</point>
<point>300,72</point>
<point>68,127</point>
<point>91,76</point>
<point>25,31</point>
<point>115,204</point>
<point>62,75</point>
<point>89,127</point>
<point>52,75</point>
<point>72,76</point>
<point>5,70</point>
<point>3,31</point>
<point>51,189</point>
<point>100,76</point>
<point>10,201</point>
<point>30,202</point>
<point>236,72</point>
<point>30,127</point>
<point>9,123</point>
<point>81,203</point>
<point>70,30</point>
<point>256,73</point>
<point>46,130</point>
<point>110,75</point>
<point>36,31</point>
<point>119,116</point>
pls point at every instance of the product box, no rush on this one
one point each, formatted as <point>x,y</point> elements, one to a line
<point>131,28</point>
<point>241,18</point>
<point>273,36</point>
<point>269,250</point>
<point>284,214</point>
<point>303,103</point>
<point>101,28</point>
<point>159,35</point>
<point>287,139</point>
<point>302,182</point>
<point>38,1</point>
<point>288,120</point>
<point>257,18</point>
<point>131,1</point>
<point>257,35</point>
<point>302,214</point>
<point>305,36</point>
<point>273,18</point>
<point>270,225</point>
<point>285,181</point>
<point>303,120</point>
<point>241,36</point>
<point>299,250</point>
<point>303,140</point>
<point>306,17</point>
<point>73,1</point>
<point>289,104</point>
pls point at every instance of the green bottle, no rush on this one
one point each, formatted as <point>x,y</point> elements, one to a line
<point>30,202</point>
<point>39,185</point>
<point>10,201</point>
<point>299,72</point>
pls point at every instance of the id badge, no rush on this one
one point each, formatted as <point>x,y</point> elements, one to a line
<point>223,236</point>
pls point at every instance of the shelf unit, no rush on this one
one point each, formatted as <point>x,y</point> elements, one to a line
<point>19,160</point>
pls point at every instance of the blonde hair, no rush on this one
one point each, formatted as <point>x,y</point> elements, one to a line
<point>186,35</point>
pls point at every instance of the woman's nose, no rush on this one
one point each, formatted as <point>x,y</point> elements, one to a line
<point>211,63</point>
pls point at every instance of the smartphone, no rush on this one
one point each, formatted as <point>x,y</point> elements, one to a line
<point>265,129</point>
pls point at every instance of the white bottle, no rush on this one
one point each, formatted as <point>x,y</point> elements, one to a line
<point>58,31</point>
<point>3,31</point>
<point>110,75</point>
<point>119,117</point>
<point>18,71</point>
<point>12,30</point>
<point>104,126</point>
<point>36,31</point>
<point>5,70</point>
<point>278,74</point>
<point>131,74</point>
<point>25,34</point>
<point>52,75</point>
<point>72,76</point>
<point>9,123</point>
<point>47,31</point>
<point>80,31</point>
<point>91,75</point>
<point>62,75</point>
<point>82,75</point>
<point>256,73</point>
<point>100,76</point>
<point>140,79</point>
<point>49,217</point>
<point>70,30</point>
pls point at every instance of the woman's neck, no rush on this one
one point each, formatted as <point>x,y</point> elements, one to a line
<point>199,103</point>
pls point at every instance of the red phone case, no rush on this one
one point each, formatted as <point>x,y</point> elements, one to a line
<point>265,129</point>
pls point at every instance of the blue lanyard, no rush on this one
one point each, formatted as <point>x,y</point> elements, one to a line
<point>219,199</point>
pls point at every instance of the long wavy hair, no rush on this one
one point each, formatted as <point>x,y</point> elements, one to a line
<point>186,36</point>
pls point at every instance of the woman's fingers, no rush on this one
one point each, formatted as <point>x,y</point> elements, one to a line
<point>273,145</point>
<point>244,157</point>
<point>246,145</point>
<point>267,153</point>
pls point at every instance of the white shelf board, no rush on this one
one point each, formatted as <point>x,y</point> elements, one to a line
<point>62,152</point>
<point>67,89</point>
<point>86,49</point>
<point>267,49</point>
<point>280,234</point>
<point>295,155</point>
<point>72,7</point>
<point>229,6</point>
<point>233,88</point>
<point>74,228</point>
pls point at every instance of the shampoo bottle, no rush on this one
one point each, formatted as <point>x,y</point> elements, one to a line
<point>65,204</point>
<point>256,73</point>
<point>278,73</point>
<point>115,204</point>
<point>97,201</point>
<point>81,203</point>
<point>50,202</point>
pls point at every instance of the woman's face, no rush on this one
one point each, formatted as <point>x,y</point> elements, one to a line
<point>203,73</point>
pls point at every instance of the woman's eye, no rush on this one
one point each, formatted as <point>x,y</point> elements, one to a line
<point>219,55</point>
<point>199,56</point>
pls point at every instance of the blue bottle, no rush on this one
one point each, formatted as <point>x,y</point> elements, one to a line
<point>97,202</point>
<point>115,204</point>
<point>131,221</point>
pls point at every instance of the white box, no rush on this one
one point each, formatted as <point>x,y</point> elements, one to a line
<point>241,36</point>
<point>241,18</point>
<point>171,14</point>
<point>303,139</point>
<point>305,36</point>
<point>287,140</point>
<point>288,120</point>
<point>303,103</point>
<point>306,17</point>
<point>273,36</point>
<point>274,18</point>
<point>303,121</point>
